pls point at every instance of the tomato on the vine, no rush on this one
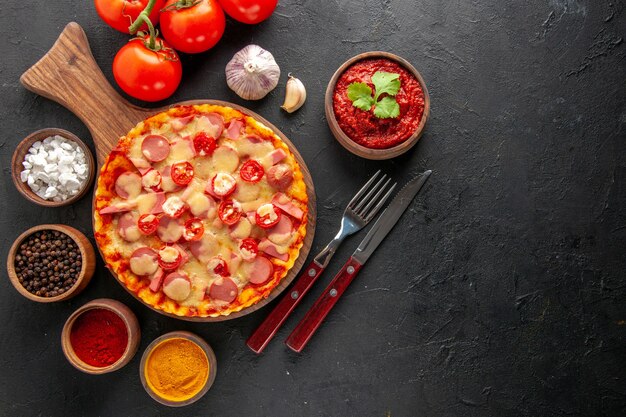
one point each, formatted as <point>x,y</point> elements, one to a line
<point>249,11</point>
<point>146,74</point>
<point>119,14</point>
<point>192,26</point>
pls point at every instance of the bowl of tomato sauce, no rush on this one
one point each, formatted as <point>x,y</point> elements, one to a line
<point>377,105</point>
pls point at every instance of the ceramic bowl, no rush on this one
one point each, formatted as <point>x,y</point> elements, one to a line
<point>20,153</point>
<point>351,145</point>
<point>132,327</point>
<point>198,341</point>
<point>87,268</point>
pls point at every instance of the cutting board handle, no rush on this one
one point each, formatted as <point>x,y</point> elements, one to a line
<point>69,75</point>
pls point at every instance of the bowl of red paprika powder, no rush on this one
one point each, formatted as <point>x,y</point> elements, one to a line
<point>377,105</point>
<point>101,336</point>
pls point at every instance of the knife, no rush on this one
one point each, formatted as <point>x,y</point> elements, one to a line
<point>314,317</point>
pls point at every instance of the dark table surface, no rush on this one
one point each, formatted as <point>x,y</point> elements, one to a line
<point>502,290</point>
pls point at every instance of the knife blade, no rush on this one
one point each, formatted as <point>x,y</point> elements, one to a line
<point>387,220</point>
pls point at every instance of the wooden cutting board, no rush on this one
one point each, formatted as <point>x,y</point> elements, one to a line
<point>69,75</point>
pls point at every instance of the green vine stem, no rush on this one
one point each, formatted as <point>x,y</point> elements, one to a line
<point>144,18</point>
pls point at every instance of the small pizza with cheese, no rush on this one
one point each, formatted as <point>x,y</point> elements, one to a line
<point>200,211</point>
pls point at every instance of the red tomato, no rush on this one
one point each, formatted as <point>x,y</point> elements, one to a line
<point>218,266</point>
<point>229,212</point>
<point>204,144</point>
<point>249,11</point>
<point>249,248</point>
<point>265,221</point>
<point>169,265</point>
<point>194,229</point>
<point>119,14</point>
<point>195,28</point>
<point>145,74</point>
<point>148,223</point>
<point>182,173</point>
<point>251,171</point>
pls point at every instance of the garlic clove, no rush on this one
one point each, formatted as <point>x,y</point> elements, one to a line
<point>295,95</point>
<point>252,73</point>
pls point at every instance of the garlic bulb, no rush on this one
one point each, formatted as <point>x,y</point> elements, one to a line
<point>252,73</point>
<point>295,95</point>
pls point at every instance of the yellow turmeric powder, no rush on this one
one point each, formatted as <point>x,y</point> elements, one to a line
<point>177,369</point>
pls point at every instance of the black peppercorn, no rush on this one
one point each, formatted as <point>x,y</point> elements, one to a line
<point>48,263</point>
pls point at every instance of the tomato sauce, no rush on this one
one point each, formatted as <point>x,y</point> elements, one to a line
<point>362,126</point>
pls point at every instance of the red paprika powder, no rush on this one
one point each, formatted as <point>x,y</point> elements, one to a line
<point>99,337</point>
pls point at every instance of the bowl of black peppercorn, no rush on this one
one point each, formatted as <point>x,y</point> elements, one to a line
<point>51,262</point>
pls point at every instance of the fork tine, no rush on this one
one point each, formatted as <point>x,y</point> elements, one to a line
<point>362,212</point>
<point>368,196</point>
<point>363,189</point>
<point>378,206</point>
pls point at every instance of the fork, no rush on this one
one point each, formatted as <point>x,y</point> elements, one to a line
<point>366,203</point>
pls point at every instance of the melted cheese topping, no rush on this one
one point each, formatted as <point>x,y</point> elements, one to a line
<point>177,289</point>
<point>225,159</point>
<point>218,239</point>
<point>130,183</point>
<point>267,210</point>
<point>173,205</point>
<point>171,233</point>
<point>169,254</point>
<point>181,150</point>
<point>145,264</point>
<point>151,179</point>
<point>167,184</point>
<point>223,183</point>
<point>246,192</point>
<point>130,233</point>
<point>242,229</point>
<point>199,204</point>
<point>145,202</point>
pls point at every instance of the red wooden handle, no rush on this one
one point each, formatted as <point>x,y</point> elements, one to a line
<point>314,317</point>
<point>264,333</point>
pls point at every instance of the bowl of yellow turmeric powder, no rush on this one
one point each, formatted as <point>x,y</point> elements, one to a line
<point>178,368</point>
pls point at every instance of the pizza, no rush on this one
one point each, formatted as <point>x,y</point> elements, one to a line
<point>200,211</point>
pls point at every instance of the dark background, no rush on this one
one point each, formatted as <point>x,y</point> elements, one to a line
<point>502,290</point>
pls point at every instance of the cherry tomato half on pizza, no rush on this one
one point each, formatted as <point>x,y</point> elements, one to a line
<point>229,212</point>
<point>148,223</point>
<point>182,173</point>
<point>204,144</point>
<point>267,215</point>
<point>194,229</point>
<point>251,171</point>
